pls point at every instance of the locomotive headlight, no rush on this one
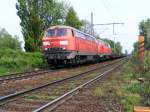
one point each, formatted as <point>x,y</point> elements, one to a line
<point>64,48</point>
<point>46,43</point>
<point>45,49</point>
<point>63,42</point>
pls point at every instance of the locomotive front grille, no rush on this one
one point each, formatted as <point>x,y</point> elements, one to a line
<point>55,49</point>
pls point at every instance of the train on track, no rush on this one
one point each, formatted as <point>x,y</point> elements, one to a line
<point>65,44</point>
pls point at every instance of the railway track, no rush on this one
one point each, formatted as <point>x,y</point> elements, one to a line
<point>25,75</point>
<point>19,101</point>
<point>13,86</point>
<point>50,106</point>
<point>18,76</point>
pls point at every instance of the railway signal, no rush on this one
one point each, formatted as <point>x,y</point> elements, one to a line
<point>141,48</point>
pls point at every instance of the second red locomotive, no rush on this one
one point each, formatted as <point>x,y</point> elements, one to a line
<point>64,44</point>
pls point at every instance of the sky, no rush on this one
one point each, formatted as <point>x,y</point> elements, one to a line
<point>129,12</point>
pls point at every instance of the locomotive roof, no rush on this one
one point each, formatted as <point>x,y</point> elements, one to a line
<point>61,26</point>
<point>69,27</point>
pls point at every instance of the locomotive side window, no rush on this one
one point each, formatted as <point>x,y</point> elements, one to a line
<point>79,34</point>
<point>61,32</point>
<point>109,46</point>
<point>50,32</point>
<point>76,34</point>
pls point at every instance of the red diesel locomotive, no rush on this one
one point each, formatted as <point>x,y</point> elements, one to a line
<point>64,44</point>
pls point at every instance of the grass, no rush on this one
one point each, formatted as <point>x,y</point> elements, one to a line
<point>129,100</point>
<point>12,61</point>
<point>40,97</point>
<point>98,92</point>
<point>135,92</point>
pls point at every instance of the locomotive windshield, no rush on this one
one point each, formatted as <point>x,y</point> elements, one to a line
<point>61,32</point>
<point>50,32</point>
<point>56,32</point>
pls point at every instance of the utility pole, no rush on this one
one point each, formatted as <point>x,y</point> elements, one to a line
<point>92,25</point>
<point>114,37</point>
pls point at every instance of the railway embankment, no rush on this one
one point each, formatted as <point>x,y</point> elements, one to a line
<point>125,88</point>
<point>44,94</point>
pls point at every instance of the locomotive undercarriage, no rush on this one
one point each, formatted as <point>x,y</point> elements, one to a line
<point>62,57</point>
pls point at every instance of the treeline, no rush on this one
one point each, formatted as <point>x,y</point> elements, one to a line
<point>8,41</point>
<point>116,46</point>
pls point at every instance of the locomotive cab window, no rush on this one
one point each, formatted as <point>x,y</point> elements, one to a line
<point>50,32</point>
<point>72,33</point>
<point>61,32</point>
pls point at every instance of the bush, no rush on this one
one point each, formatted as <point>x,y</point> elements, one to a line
<point>11,60</point>
<point>129,100</point>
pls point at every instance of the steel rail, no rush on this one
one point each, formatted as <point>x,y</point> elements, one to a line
<point>11,96</point>
<point>53,104</point>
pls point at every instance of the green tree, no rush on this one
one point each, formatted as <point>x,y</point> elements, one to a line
<point>36,16</point>
<point>135,46</point>
<point>118,47</point>
<point>144,29</point>
<point>72,19</point>
<point>8,41</point>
